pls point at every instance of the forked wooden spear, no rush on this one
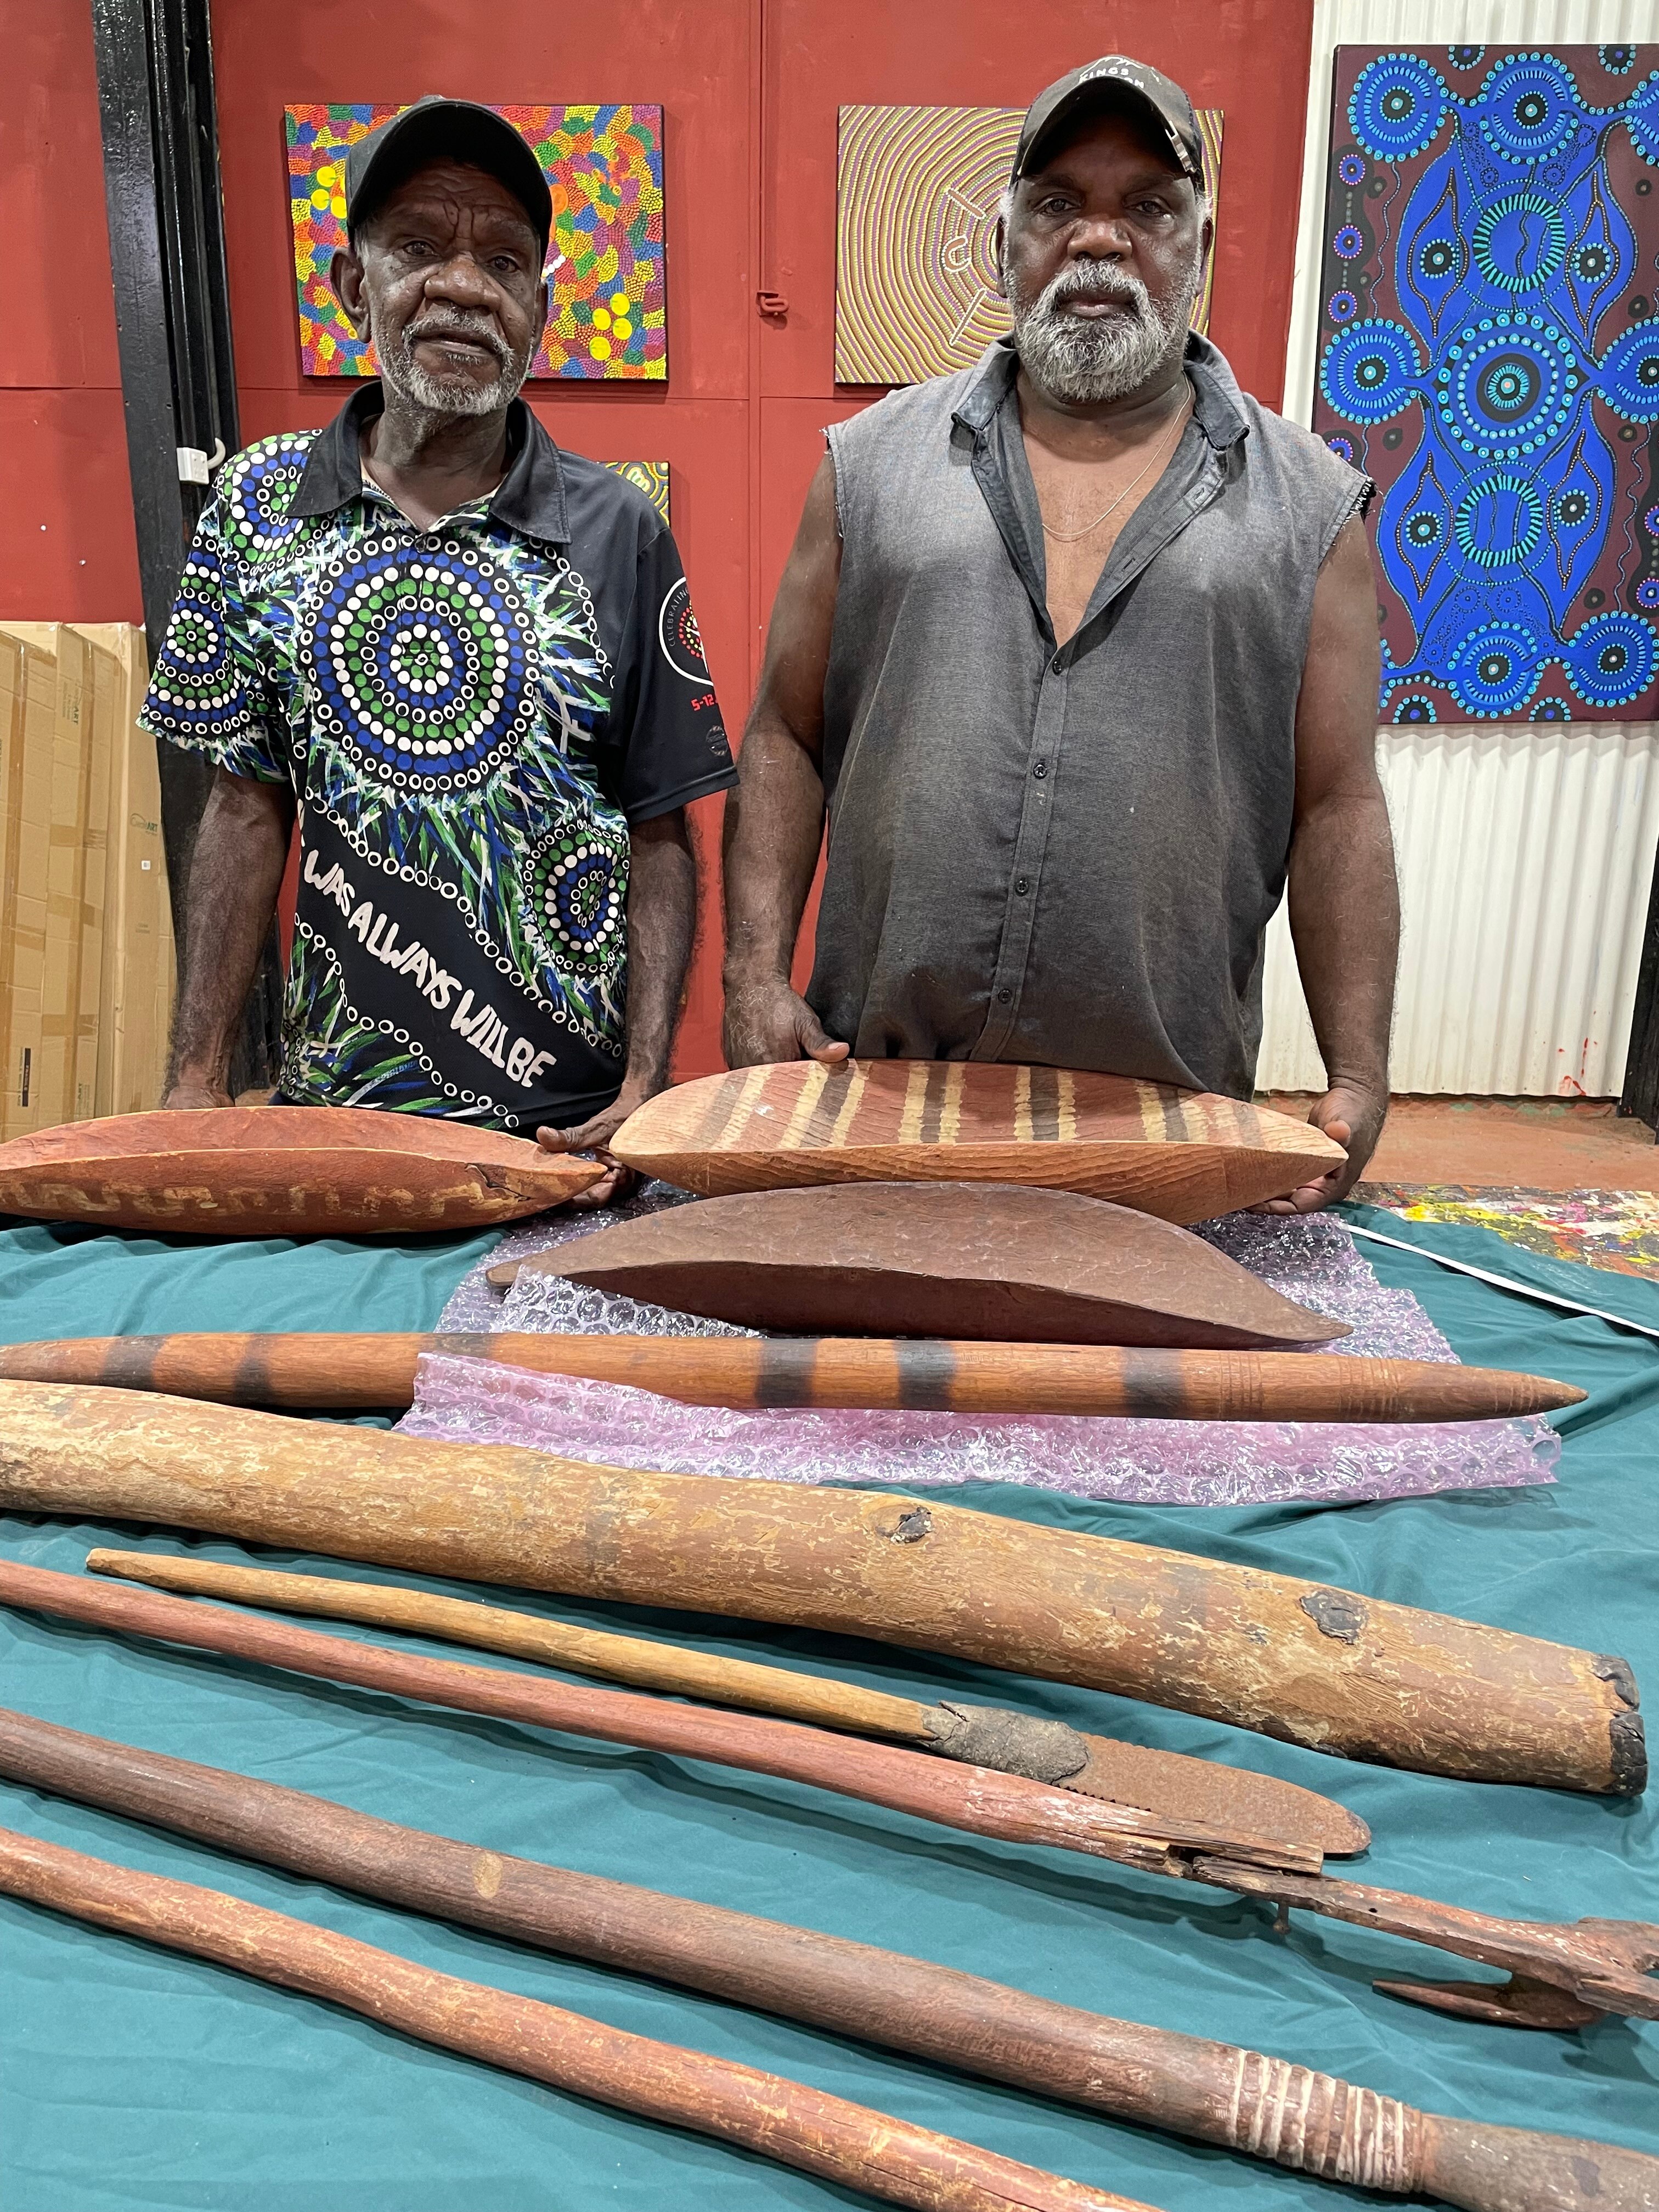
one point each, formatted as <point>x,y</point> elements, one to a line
<point>863,2150</point>
<point>1185,2085</point>
<point>1163,1783</point>
<point>914,1374</point>
<point>1564,1976</point>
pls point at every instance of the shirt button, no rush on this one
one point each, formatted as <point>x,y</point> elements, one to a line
<point>1022,884</point>
<point>1041,769</point>
<point>1003,995</point>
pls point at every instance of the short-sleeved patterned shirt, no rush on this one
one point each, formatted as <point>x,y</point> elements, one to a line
<point>470,718</point>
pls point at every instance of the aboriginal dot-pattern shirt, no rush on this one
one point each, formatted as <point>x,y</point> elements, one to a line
<point>470,718</point>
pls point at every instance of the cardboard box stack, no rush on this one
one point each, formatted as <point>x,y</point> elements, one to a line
<point>86,930</point>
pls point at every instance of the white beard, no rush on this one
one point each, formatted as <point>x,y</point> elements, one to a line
<point>1083,363</point>
<point>457,395</point>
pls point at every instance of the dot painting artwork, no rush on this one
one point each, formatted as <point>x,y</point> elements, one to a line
<point>607,263</point>
<point>916,195</point>
<point>1489,353</point>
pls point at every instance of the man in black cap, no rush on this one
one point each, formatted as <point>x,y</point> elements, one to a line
<point>1077,649</point>
<point>468,661</point>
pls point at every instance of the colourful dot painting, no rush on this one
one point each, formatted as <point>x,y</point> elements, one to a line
<point>1489,353</point>
<point>607,263</point>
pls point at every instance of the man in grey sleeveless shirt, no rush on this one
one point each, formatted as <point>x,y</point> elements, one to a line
<point>1079,651</point>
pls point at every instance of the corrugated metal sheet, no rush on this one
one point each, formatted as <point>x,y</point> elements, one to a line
<point>1525,852</point>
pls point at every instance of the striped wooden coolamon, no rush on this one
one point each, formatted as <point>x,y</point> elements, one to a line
<point>1182,1155</point>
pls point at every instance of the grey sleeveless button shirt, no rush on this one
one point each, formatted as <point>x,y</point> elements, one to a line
<point>1067,857</point>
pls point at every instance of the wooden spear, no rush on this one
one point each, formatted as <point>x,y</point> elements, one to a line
<point>914,1374</point>
<point>1164,1782</point>
<point>973,1798</point>
<point>1317,1666</point>
<point>1564,1975</point>
<point>863,2150</point>
<point>1183,2084</point>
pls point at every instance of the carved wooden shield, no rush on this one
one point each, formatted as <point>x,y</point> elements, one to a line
<point>988,1260</point>
<point>283,1171</point>
<point>1182,1155</point>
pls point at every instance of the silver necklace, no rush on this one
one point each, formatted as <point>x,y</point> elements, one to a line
<point>1167,442</point>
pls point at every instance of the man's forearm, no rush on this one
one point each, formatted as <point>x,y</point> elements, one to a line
<point>1345,922</point>
<point>662,912</point>
<point>241,850</point>
<point>774,828</point>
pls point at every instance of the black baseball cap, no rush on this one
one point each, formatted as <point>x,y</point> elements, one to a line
<point>464,131</point>
<point>1129,84</point>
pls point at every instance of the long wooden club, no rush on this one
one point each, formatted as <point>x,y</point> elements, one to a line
<point>866,2151</point>
<point>1185,2085</point>
<point>1322,1666</point>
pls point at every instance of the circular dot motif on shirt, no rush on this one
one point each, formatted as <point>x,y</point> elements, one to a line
<point>1342,306</point>
<point>1616,59</point>
<point>1464,58</point>
<point>1397,105</point>
<point>1520,241</point>
<point>423,663</point>
<point>1352,169</point>
<point>1349,243</point>
<point>577,899</point>
<point>256,492</point>
<point>679,636</point>
<point>196,690</point>
<point>1647,592</point>
<point>1499,521</point>
<point>1496,669</point>
<point>1610,659</point>
<point>1371,370</point>
<point>1628,377</point>
<point>1506,386</point>
<point>1439,259</point>
<point>1528,108</point>
<point>1549,710</point>
<point>1414,708</point>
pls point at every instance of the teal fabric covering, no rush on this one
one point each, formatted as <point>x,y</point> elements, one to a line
<point>131,2081</point>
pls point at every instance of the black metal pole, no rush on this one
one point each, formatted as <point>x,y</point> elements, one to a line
<point>178,371</point>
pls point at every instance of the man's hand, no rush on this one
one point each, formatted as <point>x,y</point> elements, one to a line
<point>767,1021</point>
<point>593,1136</point>
<point>187,1093</point>
<point>1351,1116</point>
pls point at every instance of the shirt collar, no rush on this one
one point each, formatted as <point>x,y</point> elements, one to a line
<point>530,498</point>
<point>1217,404</point>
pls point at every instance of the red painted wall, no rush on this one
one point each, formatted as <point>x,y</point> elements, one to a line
<point>750,88</point>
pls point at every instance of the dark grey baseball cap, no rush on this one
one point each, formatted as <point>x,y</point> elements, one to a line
<point>1115,79</point>
<point>464,131</point>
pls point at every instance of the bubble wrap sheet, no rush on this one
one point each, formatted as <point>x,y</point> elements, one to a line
<point>1313,1260</point>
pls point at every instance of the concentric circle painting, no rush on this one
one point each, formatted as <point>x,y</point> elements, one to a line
<point>607,261</point>
<point>916,195</point>
<point>1489,352</point>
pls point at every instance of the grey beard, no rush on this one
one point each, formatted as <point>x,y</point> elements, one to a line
<point>439,396</point>
<point>1083,363</point>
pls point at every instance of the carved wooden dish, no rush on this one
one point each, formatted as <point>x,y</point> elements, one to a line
<point>1183,1155</point>
<point>283,1171</point>
<point>986,1260</point>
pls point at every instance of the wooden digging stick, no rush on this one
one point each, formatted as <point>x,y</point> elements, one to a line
<point>916,1374</point>
<point>1598,1964</point>
<point>972,1798</point>
<point>1157,1781</point>
<point>863,2150</point>
<point>1317,1666</point>
<point>1183,2084</point>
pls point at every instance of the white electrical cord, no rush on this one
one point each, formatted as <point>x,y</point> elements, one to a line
<point>1504,1282</point>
